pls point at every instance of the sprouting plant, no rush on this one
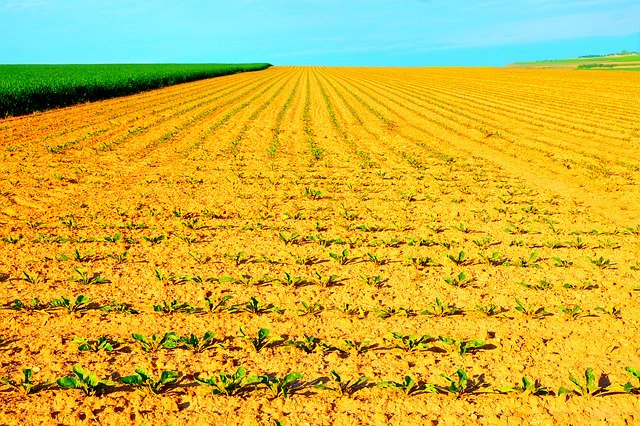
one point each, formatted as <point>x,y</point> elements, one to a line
<point>281,387</point>
<point>86,278</point>
<point>220,305</point>
<point>531,262</point>
<point>69,222</point>
<point>423,262</point>
<point>31,277</point>
<point>227,385</point>
<point>409,386</point>
<point>460,346</point>
<point>310,344</point>
<point>344,387</point>
<point>115,306</point>
<point>262,340</point>
<point>412,342</point>
<point>357,347</point>
<point>375,258</point>
<point>79,257</point>
<point>342,258</point>
<point>312,194</point>
<point>561,263</point>
<point>187,239</point>
<point>290,238</point>
<point>629,387</point>
<point>239,258</point>
<point>29,305</point>
<point>26,386</point>
<point>612,311</point>
<point>291,280</point>
<point>253,306</point>
<point>527,387</point>
<point>374,281</point>
<point>457,385</point>
<point>496,259</point>
<point>119,258</point>
<point>531,310</point>
<point>578,243</point>
<point>460,280</point>
<point>193,224</point>
<point>485,242</point>
<point>200,258</point>
<point>173,307</point>
<point>541,285</point>
<point>97,345</point>
<point>589,387</point>
<point>440,309</point>
<point>353,310</point>
<point>325,280</point>
<point>154,240</point>
<point>309,309</point>
<point>11,239</point>
<point>155,342</point>
<point>143,380</point>
<point>199,344</point>
<point>458,259</point>
<point>86,381</point>
<point>113,239</point>
<point>79,303</point>
<point>584,285</point>
<point>388,312</point>
<point>601,262</point>
<point>573,312</point>
<point>489,310</point>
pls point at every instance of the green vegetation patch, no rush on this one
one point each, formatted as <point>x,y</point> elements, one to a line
<point>28,88</point>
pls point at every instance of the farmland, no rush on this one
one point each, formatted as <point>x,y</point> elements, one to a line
<point>615,62</point>
<point>466,228</point>
<point>29,88</point>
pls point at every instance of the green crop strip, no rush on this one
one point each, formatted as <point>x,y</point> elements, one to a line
<point>28,88</point>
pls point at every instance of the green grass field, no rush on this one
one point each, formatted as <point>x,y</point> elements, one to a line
<point>626,62</point>
<point>28,88</point>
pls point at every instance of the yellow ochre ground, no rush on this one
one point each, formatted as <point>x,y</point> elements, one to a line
<point>367,194</point>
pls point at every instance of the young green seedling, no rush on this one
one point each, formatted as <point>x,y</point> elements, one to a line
<point>531,262</point>
<point>325,281</point>
<point>100,344</point>
<point>589,387</point>
<point>86,278</point>
<point>411,342</point>
<point>526,387</point>
<point>29,305</point>
<point>458,385</point>
<point>375,281</point>
<point>354,347</point>
<point>422,262</point>
<point>197,344</point>
<point>441,309</point>
<point>278,387</point>
<point>542,285</point>
<point>629,387</point>
<point>143,380</point>
<point>376,259</point>
<point>291,238</point>
<point>458,259</point>
<point>409,386</point>
<point>227,385</point>
<point>113,239</point>
<point>343,387</point>
<point>613,311</point>
<point>86,381</point>
<point>312,194</point>
<point>154,240</point>
<point>531,310</point>
<point>343,258</point>
<point>81,302</point>
<point>601,262</point>
<point>496,259</point>
<point>573,312</point>
<point>239,258</point>
<point>120,258</point>
<point>173,307</point>
<point>461,280</point>
<point>461,347</point>
<point>388,312</point>
<point>155,342</point>
<point>489,310</point>
<point>115,306</point>
<point>291,280</point>
<point>562,263</point>
<point>254,307</point>
<point>310,344</point>
<point>262,340</point>
<point>309,309</point>
<point>31,277</point>
<point>26,386</point>
<point>219,306</point>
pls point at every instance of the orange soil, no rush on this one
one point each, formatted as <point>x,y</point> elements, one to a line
<point>482,161</point>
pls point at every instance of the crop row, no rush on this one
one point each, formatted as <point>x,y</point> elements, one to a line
<point>438,308</point>
<point>458,384</point>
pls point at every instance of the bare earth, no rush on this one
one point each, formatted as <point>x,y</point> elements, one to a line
<point>402,168</point>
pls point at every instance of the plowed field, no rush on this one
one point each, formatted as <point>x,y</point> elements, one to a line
<point>494,206</point>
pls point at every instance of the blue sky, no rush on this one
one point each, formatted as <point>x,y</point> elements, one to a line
<point>319,32</point>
